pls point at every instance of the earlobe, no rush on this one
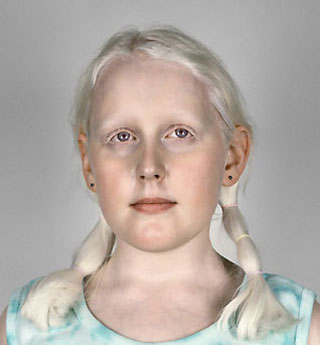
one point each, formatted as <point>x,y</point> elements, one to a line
<point>86,168</point>
<point>237,155</point>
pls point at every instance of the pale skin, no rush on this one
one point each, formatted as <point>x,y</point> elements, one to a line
<point>165,262</point>
<point>164,281</point>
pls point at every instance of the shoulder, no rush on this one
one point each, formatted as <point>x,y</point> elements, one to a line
<point>281,284</point>
<point>11,320</point>
<point>314,334</point>
<point>3,332</point>
<point>19,295</point>
<point>9,315</point>
<point>294,296</point>
<point>300,301</point>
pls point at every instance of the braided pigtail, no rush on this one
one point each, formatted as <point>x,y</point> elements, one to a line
<point>255,310</point>
<point>49,301</point>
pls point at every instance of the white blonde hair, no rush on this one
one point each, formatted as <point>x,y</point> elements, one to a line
<point>255,310</point>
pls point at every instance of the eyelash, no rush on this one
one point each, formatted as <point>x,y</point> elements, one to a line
<point>125,130</point>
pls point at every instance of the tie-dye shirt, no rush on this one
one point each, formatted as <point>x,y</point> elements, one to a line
<point>82,328</point>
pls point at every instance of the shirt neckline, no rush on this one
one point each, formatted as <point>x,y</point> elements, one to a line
<point>88,320</point>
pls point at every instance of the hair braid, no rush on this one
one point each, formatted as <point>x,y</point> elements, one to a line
<point>255,310</point>
<point>51,298</point>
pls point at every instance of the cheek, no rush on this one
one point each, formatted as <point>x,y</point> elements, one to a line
<point>109,179</point>
<point>201,178</point>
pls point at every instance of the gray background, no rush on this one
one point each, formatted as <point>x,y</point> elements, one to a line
<point>272,51</point>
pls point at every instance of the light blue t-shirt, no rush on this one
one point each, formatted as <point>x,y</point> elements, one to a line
<point>82,328</point>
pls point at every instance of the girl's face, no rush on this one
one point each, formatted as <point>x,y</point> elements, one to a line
<point>153,133</point>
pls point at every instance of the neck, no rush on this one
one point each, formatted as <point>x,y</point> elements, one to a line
<point>193,264</point>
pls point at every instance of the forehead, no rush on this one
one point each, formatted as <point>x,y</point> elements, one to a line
<point>149,85</point>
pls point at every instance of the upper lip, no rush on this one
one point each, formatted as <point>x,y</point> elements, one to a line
<point>155,200</point>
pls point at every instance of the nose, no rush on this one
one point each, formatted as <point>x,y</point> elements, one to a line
<point>151,165</point>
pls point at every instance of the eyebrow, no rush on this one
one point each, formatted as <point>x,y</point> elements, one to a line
<point>116,118</point>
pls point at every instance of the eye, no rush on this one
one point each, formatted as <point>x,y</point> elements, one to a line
<point>122,136</point>
<point>182,132</point>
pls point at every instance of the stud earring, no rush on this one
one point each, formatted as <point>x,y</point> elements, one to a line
<point>230,177</point>
<point>92,185</point>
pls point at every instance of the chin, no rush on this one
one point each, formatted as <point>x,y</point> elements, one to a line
<point>157,242</point>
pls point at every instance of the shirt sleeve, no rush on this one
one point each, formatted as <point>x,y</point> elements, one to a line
<point>305,311</point>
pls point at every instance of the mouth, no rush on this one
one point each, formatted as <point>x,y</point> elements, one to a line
<point>152,208</point>
<point>155,200</point>
<point>152,205</point>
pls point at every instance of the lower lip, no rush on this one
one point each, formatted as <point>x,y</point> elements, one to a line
<point>152,208</point>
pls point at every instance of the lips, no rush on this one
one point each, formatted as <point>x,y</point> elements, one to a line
<point>153,201</point>
<point>153,205</point>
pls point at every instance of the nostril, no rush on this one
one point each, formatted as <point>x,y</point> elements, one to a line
<point>143,177</point>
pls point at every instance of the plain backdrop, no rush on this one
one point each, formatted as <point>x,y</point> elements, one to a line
<point>271,49</point>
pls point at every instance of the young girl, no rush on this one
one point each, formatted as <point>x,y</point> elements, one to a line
<point>163,139</point>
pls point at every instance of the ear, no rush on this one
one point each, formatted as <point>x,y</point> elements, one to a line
<point>86,168</point>
<point>238,154</point>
